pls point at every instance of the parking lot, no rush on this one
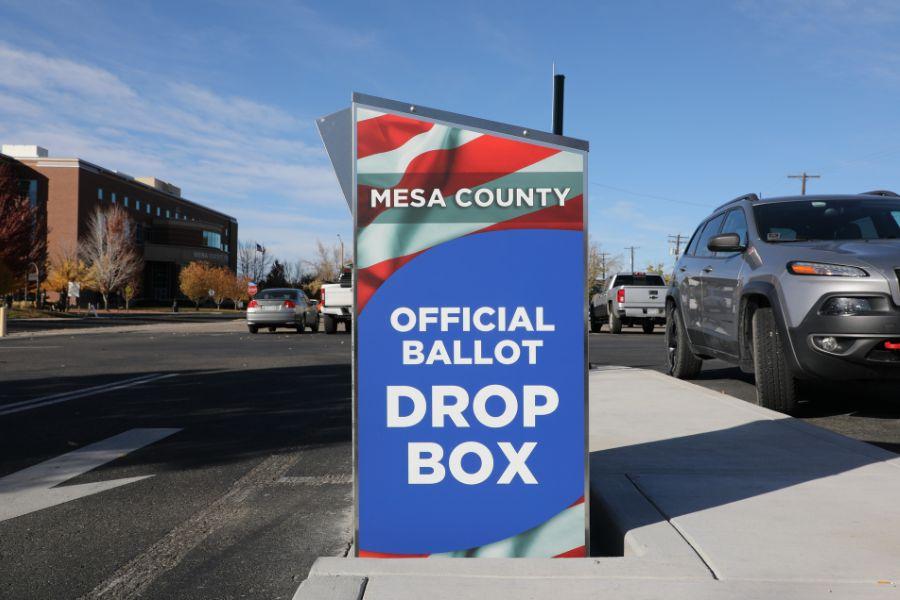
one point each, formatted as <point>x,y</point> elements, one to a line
<point>194,460</point>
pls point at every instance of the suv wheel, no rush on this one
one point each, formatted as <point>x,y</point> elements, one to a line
<point>775,385</point>
<point>252,328</point>
<point>615,322</point>
<point>647,326</point>
<point>681,362</point>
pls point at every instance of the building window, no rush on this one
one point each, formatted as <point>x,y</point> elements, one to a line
<point>158,211</point>
<point>113,197</point>
<point>125,201</point>
<point>99,193</point>
<point>148,208</point>
<point>137,205</point>
<point>212,239</point>
<point>168,214</point>
<point>139,233</point>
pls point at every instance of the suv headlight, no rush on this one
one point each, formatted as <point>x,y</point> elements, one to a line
<point>813,268</point>
<point>846,306</point>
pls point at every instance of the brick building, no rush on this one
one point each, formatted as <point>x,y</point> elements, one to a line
<point>171,231</point>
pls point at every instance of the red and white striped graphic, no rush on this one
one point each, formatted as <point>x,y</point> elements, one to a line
<point>401,152</point>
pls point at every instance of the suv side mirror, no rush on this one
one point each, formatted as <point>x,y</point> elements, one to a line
<point>726,242</point>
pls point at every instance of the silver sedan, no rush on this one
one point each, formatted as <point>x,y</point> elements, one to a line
<point>282,307</point>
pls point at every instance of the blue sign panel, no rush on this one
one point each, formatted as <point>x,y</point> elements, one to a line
<point>470,351</point>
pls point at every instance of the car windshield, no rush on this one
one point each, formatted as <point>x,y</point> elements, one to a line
<point>850,219</point>
<point>639,280</point>
<point>277,295</point>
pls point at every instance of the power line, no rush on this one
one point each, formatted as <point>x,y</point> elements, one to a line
<point>651,196</point>
<point>804,176</point>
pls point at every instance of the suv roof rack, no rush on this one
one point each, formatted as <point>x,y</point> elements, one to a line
<point>885,193</point>
<point>751,197</point>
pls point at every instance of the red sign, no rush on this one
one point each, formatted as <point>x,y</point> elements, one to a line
<point>251,289</point>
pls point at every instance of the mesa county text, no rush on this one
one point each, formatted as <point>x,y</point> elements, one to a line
<point>466,197</point>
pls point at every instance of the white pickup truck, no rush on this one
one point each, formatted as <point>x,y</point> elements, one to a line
<point>629,299</point>
<point>336,302</point>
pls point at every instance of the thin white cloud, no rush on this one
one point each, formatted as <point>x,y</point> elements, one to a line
<point>225,151</point>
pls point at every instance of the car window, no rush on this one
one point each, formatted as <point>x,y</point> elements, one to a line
<point>838,219</point>
<point>640,279</point>
<point>692,245</point>
<point>712,228</point>
<point>277,295</point>
<point>736,222</point>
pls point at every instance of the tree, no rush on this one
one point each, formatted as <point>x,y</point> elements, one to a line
<point>23,227</point>
<point>253,261</point>
<point>66,266</point>
<point>236,290</point>
<point>326,264</point>
<point>600,265</point>
<point>7,280</point>
<point>221,282</point>
<point>109,251</point>
<point>294,273</point>
<point>276,277</point>
<point>131,290</point>
<point>194,281</point>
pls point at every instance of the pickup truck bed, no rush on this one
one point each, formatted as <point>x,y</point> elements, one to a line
<point>630,299</point>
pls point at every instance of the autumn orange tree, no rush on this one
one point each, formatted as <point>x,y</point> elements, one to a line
<point>236,289</point>
<point>194,281</point>
<point>66,266</point>
<point>220,279</point>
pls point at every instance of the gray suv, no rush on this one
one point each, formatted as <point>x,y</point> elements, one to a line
<point>801,287</point>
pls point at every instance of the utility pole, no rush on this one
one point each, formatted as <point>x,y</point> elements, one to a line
<point>632,249</point>
<point>803,176</point>
<point>603,256</point>
<point>675,240</point>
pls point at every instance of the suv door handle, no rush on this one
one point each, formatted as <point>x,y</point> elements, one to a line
<point>707,269</point>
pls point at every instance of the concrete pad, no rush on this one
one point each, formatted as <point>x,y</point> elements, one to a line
<point>331,588</point>
<point>757,494</point>
<point>706,496</point>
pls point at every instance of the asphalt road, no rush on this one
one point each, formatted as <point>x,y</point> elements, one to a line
<point>866,411</point>
<point>193,460</point>
<point>247,483</point>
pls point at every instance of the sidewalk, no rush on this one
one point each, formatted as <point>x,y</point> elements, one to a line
<point>695,494</point>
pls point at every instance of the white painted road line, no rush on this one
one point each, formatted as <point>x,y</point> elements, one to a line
<point>15,407</point>
<point>33,488</point>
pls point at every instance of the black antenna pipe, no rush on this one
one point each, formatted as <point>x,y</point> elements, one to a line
<point>559,87</point>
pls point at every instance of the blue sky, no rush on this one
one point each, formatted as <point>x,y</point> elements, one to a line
<point>686,104</point>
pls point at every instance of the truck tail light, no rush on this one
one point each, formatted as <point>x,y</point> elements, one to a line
<point>253,304</point>
<point>322,297</point>
<point>620,295</point>
<point>289,304</point>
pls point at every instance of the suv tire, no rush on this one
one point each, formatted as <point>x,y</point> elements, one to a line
<point>681,362</point>
<point>776,387</point>
<point>252,328</point>
<point>647,326</point>
<point>615,322</point>
<point>330,324</point>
